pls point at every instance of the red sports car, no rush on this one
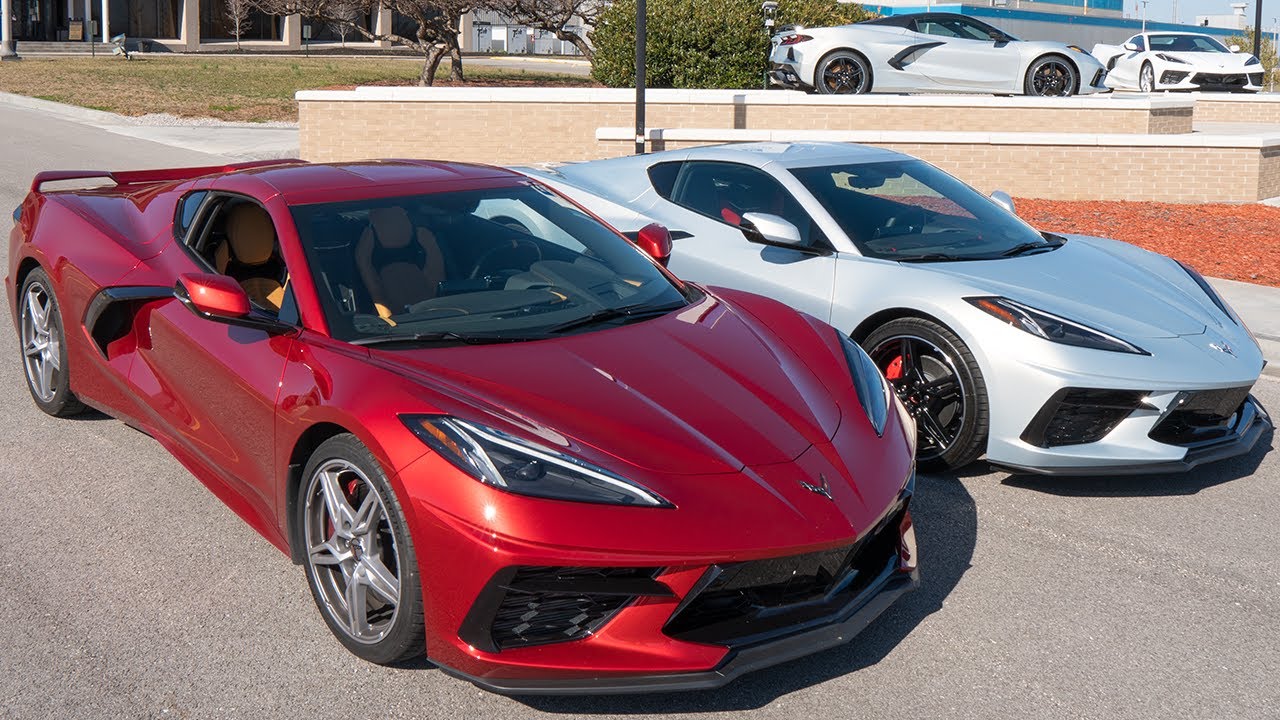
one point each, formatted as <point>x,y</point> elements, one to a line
<point>487,426</point>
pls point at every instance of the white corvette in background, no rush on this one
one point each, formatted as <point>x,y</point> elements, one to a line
<point>929,52</point>
<point>1178,61</point>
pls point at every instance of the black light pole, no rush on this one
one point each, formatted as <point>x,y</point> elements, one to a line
<point>1257,30</point>
<point>640,42</point>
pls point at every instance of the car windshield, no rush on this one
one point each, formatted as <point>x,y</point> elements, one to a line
<point>911,211</point>
<point>490,265</point>
<point>1187,43</point>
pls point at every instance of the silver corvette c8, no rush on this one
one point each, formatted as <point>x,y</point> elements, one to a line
<point>1055,354</point>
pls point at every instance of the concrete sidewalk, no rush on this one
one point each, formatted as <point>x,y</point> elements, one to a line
<point>235,141</point>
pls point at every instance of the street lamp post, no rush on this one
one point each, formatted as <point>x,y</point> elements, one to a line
<point>1257,30</point>
<point>1144,15</point>
<point>641,12</point>
<point>8,50</point>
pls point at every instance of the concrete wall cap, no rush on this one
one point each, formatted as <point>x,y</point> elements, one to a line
<point>945,138</point>
<point>739,97</point>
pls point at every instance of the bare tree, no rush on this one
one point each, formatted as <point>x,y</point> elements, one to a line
<point>436,24</point>
<point>554,16</point>
<point>346,14</point>
<point>237,15</point>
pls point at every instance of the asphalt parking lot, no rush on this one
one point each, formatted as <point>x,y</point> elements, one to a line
<point>128,590</point>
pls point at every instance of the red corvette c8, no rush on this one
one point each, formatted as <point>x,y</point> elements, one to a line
<point>488,427</point>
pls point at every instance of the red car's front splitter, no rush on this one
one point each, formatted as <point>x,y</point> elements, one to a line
<point>740,660</point>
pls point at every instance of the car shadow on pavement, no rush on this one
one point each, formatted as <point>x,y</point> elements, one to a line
<point>946,522</point>
<point>1188,483</point>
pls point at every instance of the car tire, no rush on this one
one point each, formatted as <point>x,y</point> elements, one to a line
<point>44,347</point>
<point>1051,76</point>
<point>936,376</point>
<point>1147,78</point>
<point>843,72</point>
<point>358,556</point>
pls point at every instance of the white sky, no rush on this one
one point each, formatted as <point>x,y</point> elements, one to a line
<point>1162,10</point>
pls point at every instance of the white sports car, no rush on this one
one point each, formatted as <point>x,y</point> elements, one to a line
<point>929,52</point>
<point>1178,61</point>
<point>1053,354</point>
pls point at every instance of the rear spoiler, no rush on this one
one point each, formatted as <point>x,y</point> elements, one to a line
<point>128,177</point>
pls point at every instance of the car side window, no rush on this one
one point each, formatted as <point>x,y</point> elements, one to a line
<point>973,30</point>
<point>185,215</point>
<point>1140,41</point>
<point>236,237</point>
<point>727,191</point>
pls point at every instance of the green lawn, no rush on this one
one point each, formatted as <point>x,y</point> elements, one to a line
<point>246,88</point>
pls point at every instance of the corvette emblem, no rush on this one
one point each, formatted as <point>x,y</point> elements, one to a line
<point>1224,347</point>
<point>822,488</point>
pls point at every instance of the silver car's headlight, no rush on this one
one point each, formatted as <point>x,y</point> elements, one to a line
<point>873,389</point>
<point>1253,60</point>
<point>524,468</point>
<point>1051,327</point>
<point>1171,59</point>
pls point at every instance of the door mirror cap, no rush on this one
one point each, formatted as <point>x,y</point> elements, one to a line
<point>216,297</point>
<point>1130,46</point>
<point>1234,48</point>
<point>769,229</point>
<point>1002,199</point>
<point>221,299</point>
<point>655,240</point>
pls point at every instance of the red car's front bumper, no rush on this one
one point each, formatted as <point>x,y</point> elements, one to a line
<point>518,617</point>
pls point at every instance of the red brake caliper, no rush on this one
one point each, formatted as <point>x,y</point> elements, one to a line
<point>894,370</point>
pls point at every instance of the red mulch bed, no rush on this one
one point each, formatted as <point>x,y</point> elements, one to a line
<point>1237,242</point>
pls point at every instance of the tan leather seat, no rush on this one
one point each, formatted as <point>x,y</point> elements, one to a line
<point>400,265</point>
<point>249,255</point>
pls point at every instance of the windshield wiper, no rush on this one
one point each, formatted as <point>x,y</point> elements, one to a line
<point>930,257</point>
<point>626,312</point>
<point>448,336</point>
<point>1029,246</point>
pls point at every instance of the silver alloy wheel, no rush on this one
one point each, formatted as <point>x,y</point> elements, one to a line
<point>41,342</point>
<point>927,382</point>
<point>1147,78</point>
<point>1053,78</point>
<point>351,551</point>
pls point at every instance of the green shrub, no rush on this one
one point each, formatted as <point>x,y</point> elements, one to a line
<point>701,43</point>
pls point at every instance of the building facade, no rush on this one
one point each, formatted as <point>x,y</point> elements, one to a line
<point>1078,22</point>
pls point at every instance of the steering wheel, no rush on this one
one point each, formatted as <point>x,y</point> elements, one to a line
<point>505,265</point>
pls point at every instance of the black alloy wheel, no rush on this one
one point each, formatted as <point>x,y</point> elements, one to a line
<point>1051,76</point>
<point>843,73</point>
<point>938,380</point>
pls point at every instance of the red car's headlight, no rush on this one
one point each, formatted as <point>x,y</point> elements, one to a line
<point>873,390</point>
<point>517,466</point>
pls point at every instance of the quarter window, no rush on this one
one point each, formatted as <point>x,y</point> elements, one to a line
<point>187,209</point>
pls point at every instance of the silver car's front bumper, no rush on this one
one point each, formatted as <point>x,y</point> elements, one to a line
<point>1249,424</point>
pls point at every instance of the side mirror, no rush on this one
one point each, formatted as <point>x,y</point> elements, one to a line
<point>1002,199</point>
<point>1130,46</point>
<point>1234,48</point>
<point>221,299</point>
<point>655,240</point>
<point>216,297</point>
<point>768,229</point>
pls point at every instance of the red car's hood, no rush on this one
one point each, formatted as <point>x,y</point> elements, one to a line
<point>707,389</point>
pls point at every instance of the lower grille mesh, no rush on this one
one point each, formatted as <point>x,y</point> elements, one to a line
<point>752,601</point>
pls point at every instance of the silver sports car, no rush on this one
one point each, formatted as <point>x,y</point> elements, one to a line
<point>929,52</point>
<point>1051,354</point>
